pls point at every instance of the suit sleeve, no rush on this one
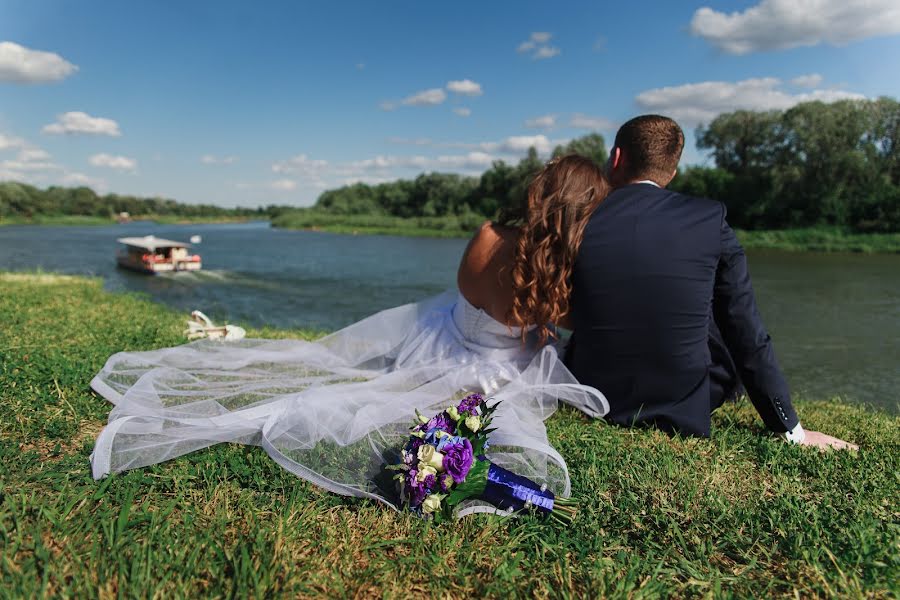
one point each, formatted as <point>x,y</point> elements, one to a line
<point>736,314</point>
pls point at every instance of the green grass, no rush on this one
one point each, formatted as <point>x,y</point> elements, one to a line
<point>821,239</point>
<point>59,220</point>
<point>813,239</point>
<point>440,227</point>
<point>738,515</point>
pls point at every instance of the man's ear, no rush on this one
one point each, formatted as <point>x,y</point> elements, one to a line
<point>615,157</point>
<point>666,183</point>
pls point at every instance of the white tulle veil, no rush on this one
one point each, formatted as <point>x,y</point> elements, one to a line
<point>330,411</point>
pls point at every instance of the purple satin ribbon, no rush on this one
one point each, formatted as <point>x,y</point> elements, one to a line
<point>505,489</point>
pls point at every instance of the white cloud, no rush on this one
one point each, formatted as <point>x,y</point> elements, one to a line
<point>28,165</point>
<point>546,52</point>
<point>381,162</point>
<point>34,165</point>
<point>465,87</point>
<point>387,106</point>
<point>536,38</point>
<point>30,154</point>
<point>513,147</point>
<point>462,111</point>
<point>300,164</point>
<point>542,122</point>
<point>78,122</point>
<point>29,157</point>
<point>580,121</point>
<point>781,24</point>
<point>309,175</point>
<point>360,66</point>
<point>210,159</point>
<point>283,185</point>
<point>411,141</point>
<point>120,163</point>
<point>537,45</point>
<point>469,162</point>
<point>23,65</point>
<point>80,179</point>
<point>430,97</point>
<point>808,81</point>
<point>473,161</point>
<point>696,103</point>
<point>11,143</point>
<point>311,171</point>
<point>521,143</point>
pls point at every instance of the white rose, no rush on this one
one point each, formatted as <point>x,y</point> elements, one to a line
<point>431,457</point>
<point>473,423</point>
<point>425,471</point>
<point>431,504</point>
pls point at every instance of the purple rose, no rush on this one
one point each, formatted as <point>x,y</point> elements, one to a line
<point>430,482</point>
<point>441,421</point>
<point>414,489</point>
<point>414,444</point>
<point>458,460</point>
<point>470,402</point>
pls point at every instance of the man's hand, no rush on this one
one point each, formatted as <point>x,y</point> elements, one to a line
<point>826,442</point>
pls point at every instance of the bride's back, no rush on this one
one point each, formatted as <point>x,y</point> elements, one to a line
<point>485,270</point>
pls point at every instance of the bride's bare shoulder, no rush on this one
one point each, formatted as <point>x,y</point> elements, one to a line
<point>490,242</point>
<point>484,270</point>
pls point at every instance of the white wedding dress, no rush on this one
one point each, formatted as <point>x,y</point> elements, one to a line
<point>328,410</point>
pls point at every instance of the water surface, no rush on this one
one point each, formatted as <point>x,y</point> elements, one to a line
<point>835,318</point>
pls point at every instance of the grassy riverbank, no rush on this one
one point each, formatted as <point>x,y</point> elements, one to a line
<point>740,514</point>
<point>815,239</point>
<point>368,224</point>
<point>821,239</point>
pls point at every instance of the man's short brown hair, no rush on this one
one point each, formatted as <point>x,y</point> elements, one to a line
<point>652,146</point>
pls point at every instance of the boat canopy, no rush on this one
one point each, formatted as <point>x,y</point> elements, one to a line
<point>151,243</point>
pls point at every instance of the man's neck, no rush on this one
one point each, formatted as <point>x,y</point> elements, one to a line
<point>645,181</point>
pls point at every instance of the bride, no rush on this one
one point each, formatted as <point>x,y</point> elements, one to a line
<point>328,410</point>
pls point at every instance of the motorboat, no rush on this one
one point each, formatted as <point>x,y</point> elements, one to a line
<point>152,255</point>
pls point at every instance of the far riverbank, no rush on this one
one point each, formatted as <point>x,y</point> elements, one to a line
<point>89,220</point>
<point>813,239</point>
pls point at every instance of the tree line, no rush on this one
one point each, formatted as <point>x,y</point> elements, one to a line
<point>26,201</point>
<point>442,201</point>
<point>815,164</point>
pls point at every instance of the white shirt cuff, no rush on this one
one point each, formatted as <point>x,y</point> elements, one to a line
<point>795,435</point>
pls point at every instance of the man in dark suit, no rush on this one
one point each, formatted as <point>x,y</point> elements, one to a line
<point>665,320</point>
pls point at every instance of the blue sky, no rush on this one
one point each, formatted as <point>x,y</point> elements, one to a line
<point>239,103</point>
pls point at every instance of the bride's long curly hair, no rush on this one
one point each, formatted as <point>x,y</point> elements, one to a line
<point>551,223</point>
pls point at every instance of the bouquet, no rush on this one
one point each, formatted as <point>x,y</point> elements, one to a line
<point>444,464</point>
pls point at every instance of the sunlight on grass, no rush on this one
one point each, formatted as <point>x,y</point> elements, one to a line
<point>741,514</point>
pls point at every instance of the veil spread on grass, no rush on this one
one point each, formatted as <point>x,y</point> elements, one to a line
<point>332,411</point>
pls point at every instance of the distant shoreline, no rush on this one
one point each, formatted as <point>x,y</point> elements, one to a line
<point>86,220</point>
<point>813,239</point>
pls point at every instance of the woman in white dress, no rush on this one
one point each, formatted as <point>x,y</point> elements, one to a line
<point>328,410</point>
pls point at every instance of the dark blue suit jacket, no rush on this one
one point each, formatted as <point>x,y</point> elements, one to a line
<point>654,267</point>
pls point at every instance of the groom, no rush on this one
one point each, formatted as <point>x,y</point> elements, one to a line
<point>665,319</point>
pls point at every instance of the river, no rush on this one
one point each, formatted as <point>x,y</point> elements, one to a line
<point>835,318</point>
